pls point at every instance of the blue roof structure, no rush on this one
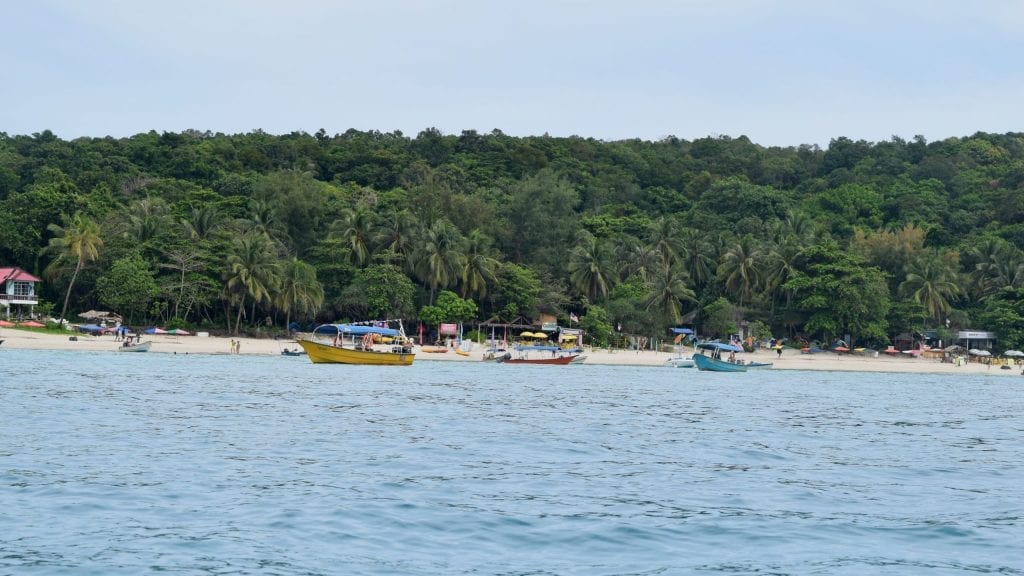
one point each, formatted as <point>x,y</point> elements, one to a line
<point>355,329</point>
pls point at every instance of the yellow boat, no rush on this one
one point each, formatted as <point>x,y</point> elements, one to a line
<point>399,353</point>
<point>328,354</point>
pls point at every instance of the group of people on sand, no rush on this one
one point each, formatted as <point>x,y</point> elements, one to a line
<point>236,346</point>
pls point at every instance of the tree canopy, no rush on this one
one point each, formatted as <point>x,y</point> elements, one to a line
<point>244,230</point>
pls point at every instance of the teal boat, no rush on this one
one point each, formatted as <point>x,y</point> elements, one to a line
<point>710,364</point>
<point>714,362</point>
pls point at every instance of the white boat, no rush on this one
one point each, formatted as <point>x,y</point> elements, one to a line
<point>680,362</point>
<point>140,347</point>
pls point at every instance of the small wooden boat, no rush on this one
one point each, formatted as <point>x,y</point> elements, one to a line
<point>558,360</point>
<point>140,347</point>
<point>361,351</point>
<point>434,349</point>
<point>557,356</point>
<point>461,352</point>
<point>496,355</point>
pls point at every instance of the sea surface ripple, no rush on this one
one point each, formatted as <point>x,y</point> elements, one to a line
<point>189,464</point>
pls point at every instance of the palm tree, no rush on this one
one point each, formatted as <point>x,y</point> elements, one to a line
<point>252,270</point>
<point>262,219</point>
<point>479,264</point>
<point>203,222</point>
<point>355,228</point>
<point>396,235</point>
<point>997,264</point>
<point>145,218</point>
<point>669,290</point>
<point>664,238</point>
<point>439,260</point>
<point>697,255</point>
<point>592,268</point>
<point>780,267</point>
<point>77,241</point>
<point>740,269</point>
<point>932,282</point>
<point>298,289</point>
<point>641,260</point>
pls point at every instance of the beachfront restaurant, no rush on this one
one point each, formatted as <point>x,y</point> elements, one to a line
<point>979,339</point>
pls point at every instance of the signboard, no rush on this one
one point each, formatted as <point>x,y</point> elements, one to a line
<point>976,335</point>
<point>449,329</point>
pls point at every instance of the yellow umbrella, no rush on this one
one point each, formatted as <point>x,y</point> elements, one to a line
<point>527,335</point>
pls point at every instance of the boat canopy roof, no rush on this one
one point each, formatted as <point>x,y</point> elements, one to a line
<point>538,348</point>
<point>719,346</point>
<point>355,329</point>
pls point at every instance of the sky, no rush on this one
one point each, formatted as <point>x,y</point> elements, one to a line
<point>781,72</point>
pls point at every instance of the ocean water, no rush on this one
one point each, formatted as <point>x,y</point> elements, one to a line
<point>190,464</point>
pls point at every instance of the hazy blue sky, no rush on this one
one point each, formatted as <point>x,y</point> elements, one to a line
<point>782,72</point>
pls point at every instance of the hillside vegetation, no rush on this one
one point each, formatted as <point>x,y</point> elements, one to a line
<point>254,231</point>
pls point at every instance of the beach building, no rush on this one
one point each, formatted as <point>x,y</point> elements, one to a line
<point>980,339</point>
<point>17,288</point>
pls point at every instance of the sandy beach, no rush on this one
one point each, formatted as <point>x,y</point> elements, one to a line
<point>790,359</point>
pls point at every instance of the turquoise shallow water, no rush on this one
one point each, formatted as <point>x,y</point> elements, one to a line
<point>145,463</point>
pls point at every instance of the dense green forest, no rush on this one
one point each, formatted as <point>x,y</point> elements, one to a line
<point>250,232</point>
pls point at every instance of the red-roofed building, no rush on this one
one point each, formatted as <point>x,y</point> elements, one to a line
<point>17,288</point>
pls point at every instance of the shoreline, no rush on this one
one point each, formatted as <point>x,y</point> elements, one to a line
<point>214,345</point>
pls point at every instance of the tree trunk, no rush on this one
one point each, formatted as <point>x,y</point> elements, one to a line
<point>71,284</point>
<point>238,319</point>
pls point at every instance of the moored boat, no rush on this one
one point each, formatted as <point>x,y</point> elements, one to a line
<point>364,350</point>
<point>558,356</point>
<point>140,347</point>
<point>714,362</point>
<point>559,360</point>
<point>709,364</point>
<point>680,362</point>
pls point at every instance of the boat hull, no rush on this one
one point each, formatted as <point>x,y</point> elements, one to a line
<point>558,360</point>
<point>325,354</point>
<point>708,364</point>
<point>141,347</point>
<point>680,362</point>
